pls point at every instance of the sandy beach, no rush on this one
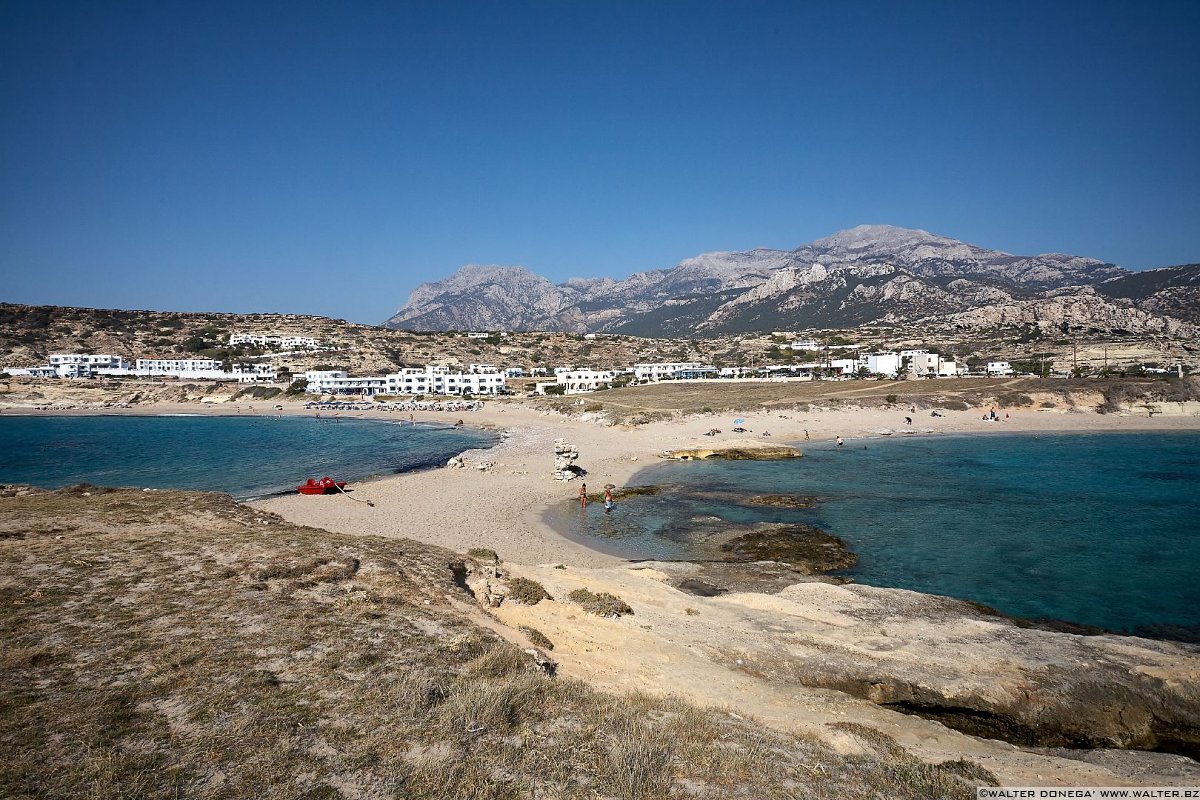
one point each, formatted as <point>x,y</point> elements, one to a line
<point>502,507</point>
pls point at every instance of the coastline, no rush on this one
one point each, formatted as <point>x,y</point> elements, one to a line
<point>519,478</point>
<point>743,650</point>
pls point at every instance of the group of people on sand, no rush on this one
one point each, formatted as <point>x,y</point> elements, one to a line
<point>992,416</point>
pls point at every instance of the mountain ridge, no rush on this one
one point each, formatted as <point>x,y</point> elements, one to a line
<point>862,275</point>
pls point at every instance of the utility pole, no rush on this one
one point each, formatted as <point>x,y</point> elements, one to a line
<point>1074,360</point>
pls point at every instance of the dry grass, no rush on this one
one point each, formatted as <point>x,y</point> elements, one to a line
<point>641,404</point>
<point>536,637</point>
<point>163,645</point>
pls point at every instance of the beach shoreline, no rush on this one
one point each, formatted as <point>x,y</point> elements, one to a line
<point>505,506</point>
<point>519,476</point>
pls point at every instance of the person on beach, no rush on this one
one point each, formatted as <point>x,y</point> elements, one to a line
<point>839,441</point>
<point>806,436</point>
<point>608,499</point>
<point>583,495</point>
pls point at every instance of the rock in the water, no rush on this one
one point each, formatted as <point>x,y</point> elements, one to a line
<point>736,451</point>
<point>799,545</point>
<point>781,501</point>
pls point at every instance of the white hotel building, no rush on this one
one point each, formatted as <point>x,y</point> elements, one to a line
<point>81,365</point>
<point>428,380</point>
<point>267,340</point>
<point>657,372</point>
<point>578,381</point>
<point>176,366</point>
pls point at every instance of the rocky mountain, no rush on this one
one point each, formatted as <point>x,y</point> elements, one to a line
<point>1173,291</point>
<point>868,274</point>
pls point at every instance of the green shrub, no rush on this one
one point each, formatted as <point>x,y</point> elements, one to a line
<point>526,591</point>
<point>602,604</point>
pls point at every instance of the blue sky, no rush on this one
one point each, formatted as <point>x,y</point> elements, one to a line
<point>326,158</point>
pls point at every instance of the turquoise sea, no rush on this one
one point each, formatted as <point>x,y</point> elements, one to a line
<point>1101,530</point>
<point>244,456</point>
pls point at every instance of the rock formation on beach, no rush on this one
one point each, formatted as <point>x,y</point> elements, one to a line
<point>565,456</point>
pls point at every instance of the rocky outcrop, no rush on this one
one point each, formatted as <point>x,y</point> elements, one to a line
<point>1082,310</point>
<point>565,456</point>
<point>736,451</point>
<point>984,674</point>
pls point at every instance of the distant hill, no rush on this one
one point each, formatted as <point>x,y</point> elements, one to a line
<point>868,274</point>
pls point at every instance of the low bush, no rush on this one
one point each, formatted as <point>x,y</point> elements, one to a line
<point>601,604</point>
<point>526,591</point>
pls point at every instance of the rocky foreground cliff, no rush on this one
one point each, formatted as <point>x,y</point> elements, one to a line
<point>869,274</point>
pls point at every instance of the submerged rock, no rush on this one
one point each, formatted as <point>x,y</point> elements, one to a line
<point>803,546</point>
<point>780,501</point>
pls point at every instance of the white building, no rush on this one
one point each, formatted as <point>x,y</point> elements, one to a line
<point>999,368</point>
<point>336,381</point>
<point>269,340</point>
<point>882,363</point>
<point>83,365</point>
<point>948,369</point>
<point>806,344</point>
<point>844,366</point>
<point>439,380</point>
<point>255,373</point>
<point>30,372</point>
<point>514,372</point>
<point>585,380</point>
<point>176,366</point>
<point>660,371</point>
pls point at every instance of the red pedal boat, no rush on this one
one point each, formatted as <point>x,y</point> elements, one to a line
<point>326,485</point>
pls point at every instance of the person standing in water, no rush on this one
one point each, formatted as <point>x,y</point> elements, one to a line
<point>608,499</point>
<point>839,441</point>
<point>583,495</point>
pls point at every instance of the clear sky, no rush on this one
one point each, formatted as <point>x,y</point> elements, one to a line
<point>328,157</point>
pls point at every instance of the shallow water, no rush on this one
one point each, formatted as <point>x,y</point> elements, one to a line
<point>1097,529</point>
<point>245,456</point>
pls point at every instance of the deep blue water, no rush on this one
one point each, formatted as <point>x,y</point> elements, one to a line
<point>1100,529</point>
<point>245,456</point>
